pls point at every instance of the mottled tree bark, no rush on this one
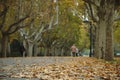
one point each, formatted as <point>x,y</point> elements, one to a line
<point>100,43</point>
<point>4,48</point>
<point>109,55</point>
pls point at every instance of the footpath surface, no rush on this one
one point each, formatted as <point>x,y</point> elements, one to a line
<point>58,68</point>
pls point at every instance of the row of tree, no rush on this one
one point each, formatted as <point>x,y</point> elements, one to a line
<point>56,25</point>
<point>35,24</point>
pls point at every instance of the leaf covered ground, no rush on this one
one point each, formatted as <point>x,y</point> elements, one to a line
<point>76,68</point>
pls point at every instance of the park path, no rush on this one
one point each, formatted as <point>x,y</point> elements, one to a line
<point>33,60</point>
<point>57,68</point>
<point>10,63</point>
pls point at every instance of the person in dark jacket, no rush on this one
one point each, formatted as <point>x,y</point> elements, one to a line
<point>22,50</point>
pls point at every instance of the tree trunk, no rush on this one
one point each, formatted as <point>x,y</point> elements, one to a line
<point>62,51</point>
<point>46,51</point>
<point>104,40</point>
<point>9,50</point>
<point>30,49</point>
<point>36,50</point>
<point>4,45</point>
<point>109,55</point>
<point>104,37</point>
<point>54,49</point>
<point>0,49</point>
<point>100,42</point>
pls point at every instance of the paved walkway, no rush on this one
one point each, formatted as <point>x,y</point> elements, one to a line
<point>72,68</point>
<point>33,60</point>
<point>9,63</point>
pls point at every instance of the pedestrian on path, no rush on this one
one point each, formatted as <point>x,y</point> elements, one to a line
<point>73,50</point>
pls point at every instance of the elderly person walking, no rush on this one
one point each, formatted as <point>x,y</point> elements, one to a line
<point>73,50</point>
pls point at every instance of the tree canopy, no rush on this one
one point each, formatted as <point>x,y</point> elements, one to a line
<point>51,27</point>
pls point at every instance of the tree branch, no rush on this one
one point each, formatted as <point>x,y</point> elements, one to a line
<point>91,12</point>
<point>39,33</point>
<point>18,27</point>
<point>91,2</point>
<point>51,21</point>
<point>117,19</point>
<point>16,23</point>
<point>34,33</point>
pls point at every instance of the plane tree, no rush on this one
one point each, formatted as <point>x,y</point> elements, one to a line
<point>9,22</point>
<point>45,15</point>
<point>101,14</point>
